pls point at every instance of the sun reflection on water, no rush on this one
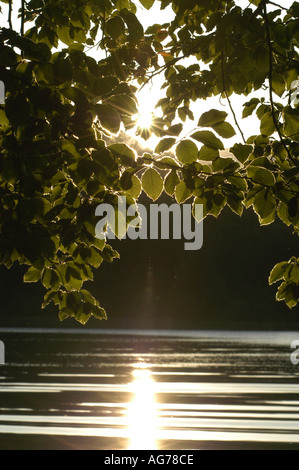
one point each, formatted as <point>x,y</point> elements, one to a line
<point>142,411</point>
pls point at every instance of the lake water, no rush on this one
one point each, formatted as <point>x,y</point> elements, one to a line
<point>86,389</point>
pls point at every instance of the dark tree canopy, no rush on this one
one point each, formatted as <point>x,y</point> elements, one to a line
<point>57,162</point>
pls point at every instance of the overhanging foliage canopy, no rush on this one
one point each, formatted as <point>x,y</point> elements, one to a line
<point>61,104</point>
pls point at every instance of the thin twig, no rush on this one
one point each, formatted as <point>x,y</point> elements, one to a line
<point>10,14</point>
<point>159,71</point>
<point>279,6</point>
<point>248,6</point>
<point>229,101</point>
<point>23,18</point>
<point>270,48</point>
<point>284,56</point>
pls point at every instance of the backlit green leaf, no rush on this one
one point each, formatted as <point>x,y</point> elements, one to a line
<point>152,183</point>
<point>165,144</point>
<point>187,151</point>
<point>241,152</point>
<point>261,175</point>
<point>209,139</point>
<point>208,154</point>
<point>115,27</point>
<point>123,104</point>
<point>225,130</point>
<point>182,192</point>
<point>109,118</point>
<point>278,272</point>
<point>32,275</point>
<point>211,118</point>
<point>171,181</point>
<point>147,3</point>
<point>264,203</point>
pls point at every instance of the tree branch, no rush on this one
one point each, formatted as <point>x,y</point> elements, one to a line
<point>23,18</point>
<point>10,14</point>
<point>270,48</point>
<point>229,101</point>
<point>279,6</point>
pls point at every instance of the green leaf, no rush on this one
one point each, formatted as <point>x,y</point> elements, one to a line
<point>115,27</point>
<point>63,71</point>
<point>249,107</point>
<point>3,118</point>
<point>267,125</point>
<point>187,152</point>
<point>104,85</point>
<point>223,164</point>
<point>126,180</point>
<point>294,273</point>
<point>209,139</point>
<point>176,129</point>
<point>225,130</point>
<point>278,83</point>
<point>32,275</point>
<point>136,188</point>
<point>264,203</point>
<point>50,279</point>
<point>165,144</point>
<point>124,153</point>
<point>278,272</point>
<point>136,32</point>
<point>51,296</point>
<point>123,104</point>
<point>208,154</point>
<point>147,3</point>
<point>291,124</point>
<point>17,110</point>
<point>241,152</point>
<point>98,313</point>
<point>261,175</point>
<point>96,258</point>
<point>64,35</point>
<point>166,163</point>
<point>109,118</point>
<point>171,181</point>
<point>293,207</point>
<point>211,118</point>
<point>238,182</point>
<point>283,291</point>
<point>182,192</point>
<point>152,183</point>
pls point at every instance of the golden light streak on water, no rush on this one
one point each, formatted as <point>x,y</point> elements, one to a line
<point>143,411</point>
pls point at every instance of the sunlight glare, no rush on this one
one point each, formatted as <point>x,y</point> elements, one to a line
<point>144,119</point>
<point>142,411</point>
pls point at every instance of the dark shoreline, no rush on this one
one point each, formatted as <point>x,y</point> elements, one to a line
<point>16,442</point>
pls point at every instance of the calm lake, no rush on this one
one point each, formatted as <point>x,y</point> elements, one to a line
<point>165,390</point>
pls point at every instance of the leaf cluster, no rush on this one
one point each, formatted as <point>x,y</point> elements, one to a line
<point>63,105</point>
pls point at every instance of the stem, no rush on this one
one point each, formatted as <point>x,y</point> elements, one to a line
<point>159,71</point>
<point>10,14</point>
<point>276,5</point>
<point>229,101</point>
<point>270,47</point>
<point>23,18</point>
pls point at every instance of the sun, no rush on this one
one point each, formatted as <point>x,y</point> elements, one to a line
<point>144,119</point>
